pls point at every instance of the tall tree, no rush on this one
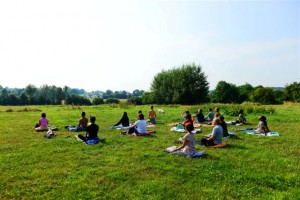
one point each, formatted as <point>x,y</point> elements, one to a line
<point>263,95</point>
<point>184,85</point>
<point>292,92</point>
<point>245,92</point>
<point>31,92</point>
<point>225,93</point>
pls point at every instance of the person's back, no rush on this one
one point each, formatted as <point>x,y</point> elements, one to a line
<point>83,122</point>
<point>188,120</point>
<point>218,134</point>
<point>92,130</point>
<point>152,115</point>
<point>241,117</point>
<point>224,126</point>
<point>217,112</point>
<point>43,122</point>
<point>141,126</point>
<point>200,117</point>
<point>124,121</point>
<point>190,148</point>
<point>210,115</point>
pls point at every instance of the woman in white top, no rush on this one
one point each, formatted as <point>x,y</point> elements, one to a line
<point>139,127</point>
<point>188,147</point>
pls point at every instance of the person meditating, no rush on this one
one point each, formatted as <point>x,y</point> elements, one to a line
<point>215,137</point>
<point>137,128</point>
<point>188,147</point>
<point>152,115</point>
<point>43,123</point>
<point>91,131</point>
<point>81,126</point>
<point>124,121</point>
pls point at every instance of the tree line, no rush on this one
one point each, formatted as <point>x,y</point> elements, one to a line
<point>52,95</point>
<point>185,85</point>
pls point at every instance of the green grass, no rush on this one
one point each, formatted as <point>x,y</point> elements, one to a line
<point>251,167</point>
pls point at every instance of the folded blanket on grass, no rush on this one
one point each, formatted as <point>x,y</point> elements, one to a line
<point>230,135</point>
<point>261,134</point>
<point>127,127</point>
<point>120,127</point>
<point>247,130</point>
<point>93,141</point>
<point>195,155</point>
<point>50,127</point>
<point>197,130</point>
<point>75,128</point>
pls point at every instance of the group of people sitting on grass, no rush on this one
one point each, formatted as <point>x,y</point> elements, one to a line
<point>215,138</point>
<point>91,129</point>
<point>139,127</point>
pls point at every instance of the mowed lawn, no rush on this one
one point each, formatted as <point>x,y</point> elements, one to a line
<point>124,167</point>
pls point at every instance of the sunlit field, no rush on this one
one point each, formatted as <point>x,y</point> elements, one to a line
<point>126,167</point>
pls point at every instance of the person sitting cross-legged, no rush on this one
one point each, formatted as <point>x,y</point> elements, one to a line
<point>81,126</point>
<point>139,127</point>
<point>91,131</point>
<point>216,136</point>
<point>188,147</point>
<point>124,121</point>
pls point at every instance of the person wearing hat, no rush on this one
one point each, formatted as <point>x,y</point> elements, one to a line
<point>262,127</point>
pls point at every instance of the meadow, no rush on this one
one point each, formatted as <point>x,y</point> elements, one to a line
<point>125,167</point>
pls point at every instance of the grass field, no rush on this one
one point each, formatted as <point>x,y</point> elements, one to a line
<point>124,167</point>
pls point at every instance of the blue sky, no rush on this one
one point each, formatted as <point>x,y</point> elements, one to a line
<point>122,45</point>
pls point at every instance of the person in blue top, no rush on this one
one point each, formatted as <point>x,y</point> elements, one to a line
<point>216,136</point>
<point>210,115</point>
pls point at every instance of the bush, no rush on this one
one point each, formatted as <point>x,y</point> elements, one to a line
<point>135,100</point>
<point>112,101</point>
<point>98,101</point>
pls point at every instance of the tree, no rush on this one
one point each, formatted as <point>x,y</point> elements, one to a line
<point>263,95</point>
<point>4,97</point>
<point>279,96</point>
<point>292,92</point>
<point>112,100</point>
<point>245,92</point>
<point>44,95</point>
<point>60,95</point>
<point>225,93</point>
<point>135,100</point>
<point>185,85</point>
<point>137,93</point>
<point>13,99</point>
<point>23,99</point>
<point>31,92</point>
<point>77,100</point>
<point>148,98</point>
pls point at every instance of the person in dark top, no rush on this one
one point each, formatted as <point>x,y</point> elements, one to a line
<point>91,131</point>
<point>200,117</point>
<point>224,126</point>
<point>124,121</point>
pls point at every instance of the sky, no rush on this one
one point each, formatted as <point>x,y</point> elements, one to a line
<point>122,44</point>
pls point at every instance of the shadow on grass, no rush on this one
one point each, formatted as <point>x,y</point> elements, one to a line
<point>235,146</point>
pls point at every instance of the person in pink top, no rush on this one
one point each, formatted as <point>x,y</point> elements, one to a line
<point>43,122</point>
